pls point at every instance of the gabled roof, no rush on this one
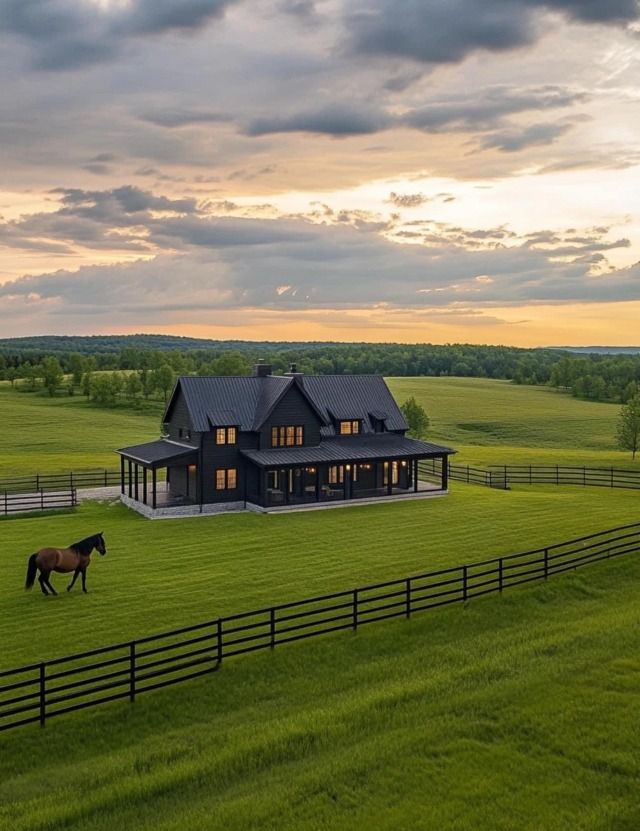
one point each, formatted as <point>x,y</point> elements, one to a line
<point>247,402</point>
<point>355,396</point>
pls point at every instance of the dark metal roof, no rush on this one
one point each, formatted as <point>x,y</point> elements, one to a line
<point>159,453</point>
<point>372,447</point>
<point>354,396</point>
<point>246,402</point>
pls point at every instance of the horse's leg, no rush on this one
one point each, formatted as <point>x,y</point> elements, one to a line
<point>43,585</point>
<point>48,582</point>
<point>75,577</point>
<point>84,579</point>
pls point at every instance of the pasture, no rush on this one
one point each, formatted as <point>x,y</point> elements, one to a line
<point>514,712</point>
<point>53,435</point>
<point>497,422</point>
<point>511,712</point>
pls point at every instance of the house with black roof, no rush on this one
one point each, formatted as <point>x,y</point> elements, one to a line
<point>270,442</point>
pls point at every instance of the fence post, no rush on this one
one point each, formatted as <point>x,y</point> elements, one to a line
<point>42,500</point>
<point>546,563</point>
<point>272,627</point>
<point>355,609</point>
<point>219,642</point>
<point>43,702</point>
<point>408,597</point>
<point>132,671</point>
<point>500,575</point>
<point>464,584</point>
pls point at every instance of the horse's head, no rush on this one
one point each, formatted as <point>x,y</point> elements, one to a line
<point>101,548</point>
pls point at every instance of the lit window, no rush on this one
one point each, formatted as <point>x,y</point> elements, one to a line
<point>336,474</point>
<point>226,435</point>
<point>288,436</point>
<point>349,428</point>
<point>226,479</point>
<point>394,473</point>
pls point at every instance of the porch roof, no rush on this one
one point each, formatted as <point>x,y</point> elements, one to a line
<point>365,448</point>
<point>160,453</point>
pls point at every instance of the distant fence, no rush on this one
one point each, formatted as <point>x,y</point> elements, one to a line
<point>17,503</point>
<point>40,691</point>
<point>102,478</point>
<point>503,476</point>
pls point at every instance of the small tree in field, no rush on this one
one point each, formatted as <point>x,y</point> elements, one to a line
<point>51,372</point>
<point>416,417</point>
<point>629,426</point>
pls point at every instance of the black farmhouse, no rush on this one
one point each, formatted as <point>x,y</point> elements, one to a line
<point>271,441</point>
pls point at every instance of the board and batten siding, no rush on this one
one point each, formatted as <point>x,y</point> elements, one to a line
<point>292,410</point>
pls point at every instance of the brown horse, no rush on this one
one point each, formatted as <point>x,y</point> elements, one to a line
<point>76,558</point>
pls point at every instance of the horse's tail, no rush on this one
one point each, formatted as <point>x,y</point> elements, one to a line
<point>32,568</point>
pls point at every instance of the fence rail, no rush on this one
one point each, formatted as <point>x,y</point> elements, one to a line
<point>16,503</point>
<point>40,691</point>
<point>503,476</point>
<point>102,478</point>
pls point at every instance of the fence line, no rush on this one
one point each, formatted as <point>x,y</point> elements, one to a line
<point>503,476</point>
<point>101,478</point>
<point>37,692</point>
<point>15,503</point>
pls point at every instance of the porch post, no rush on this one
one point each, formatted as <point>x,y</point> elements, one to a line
<point>346,482</point>
<point>415,476</point>
<point>445,473</point>
<point>122,474</point>
<point>130,489</point>
<point>318,483</point>
<point>285,476</point>
<point>144,485</point>
<point>154,488</point>
<point>135,490</point>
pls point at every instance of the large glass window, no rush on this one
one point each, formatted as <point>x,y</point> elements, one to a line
<point>289,436</point>
<point>226,479</point>
<point>394,473</point>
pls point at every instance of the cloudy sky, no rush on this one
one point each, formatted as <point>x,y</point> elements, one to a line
<point>406,170</point>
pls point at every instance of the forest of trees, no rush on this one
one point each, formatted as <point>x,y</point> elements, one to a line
<point>134,368</point>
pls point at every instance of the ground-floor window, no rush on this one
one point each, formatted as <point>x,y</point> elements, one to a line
<point>394,473</point>
<point>226,478</point>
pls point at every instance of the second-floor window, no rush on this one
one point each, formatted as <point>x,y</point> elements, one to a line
<point>289,436</point>
<point>226,435</point>
<point>349,428</point>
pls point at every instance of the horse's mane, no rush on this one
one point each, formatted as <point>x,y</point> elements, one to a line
<point>85,545</point>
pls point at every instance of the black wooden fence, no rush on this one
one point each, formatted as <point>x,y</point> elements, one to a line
<point>503,476</point>
<point>16,503</point>
<point>40,691</point>
<point>102,478</point>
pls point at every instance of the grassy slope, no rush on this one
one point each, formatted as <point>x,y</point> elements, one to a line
<point>516,712</point>
<point>42,434</point>
<point>164,574</point>
<point>494,422</point>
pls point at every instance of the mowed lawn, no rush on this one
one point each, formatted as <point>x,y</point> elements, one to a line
<point>54,435</point>
<point>515,712</point>
<point>497,422</point>
<point>164,574</point>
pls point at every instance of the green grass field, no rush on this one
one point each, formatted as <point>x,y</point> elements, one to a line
<point>497,422</point>
<point>53,435</point>
<point>517,712</point>
<point>514,712</point>
<point>169,573</point>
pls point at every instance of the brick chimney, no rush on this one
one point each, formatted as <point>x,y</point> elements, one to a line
<point>261,370</point>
